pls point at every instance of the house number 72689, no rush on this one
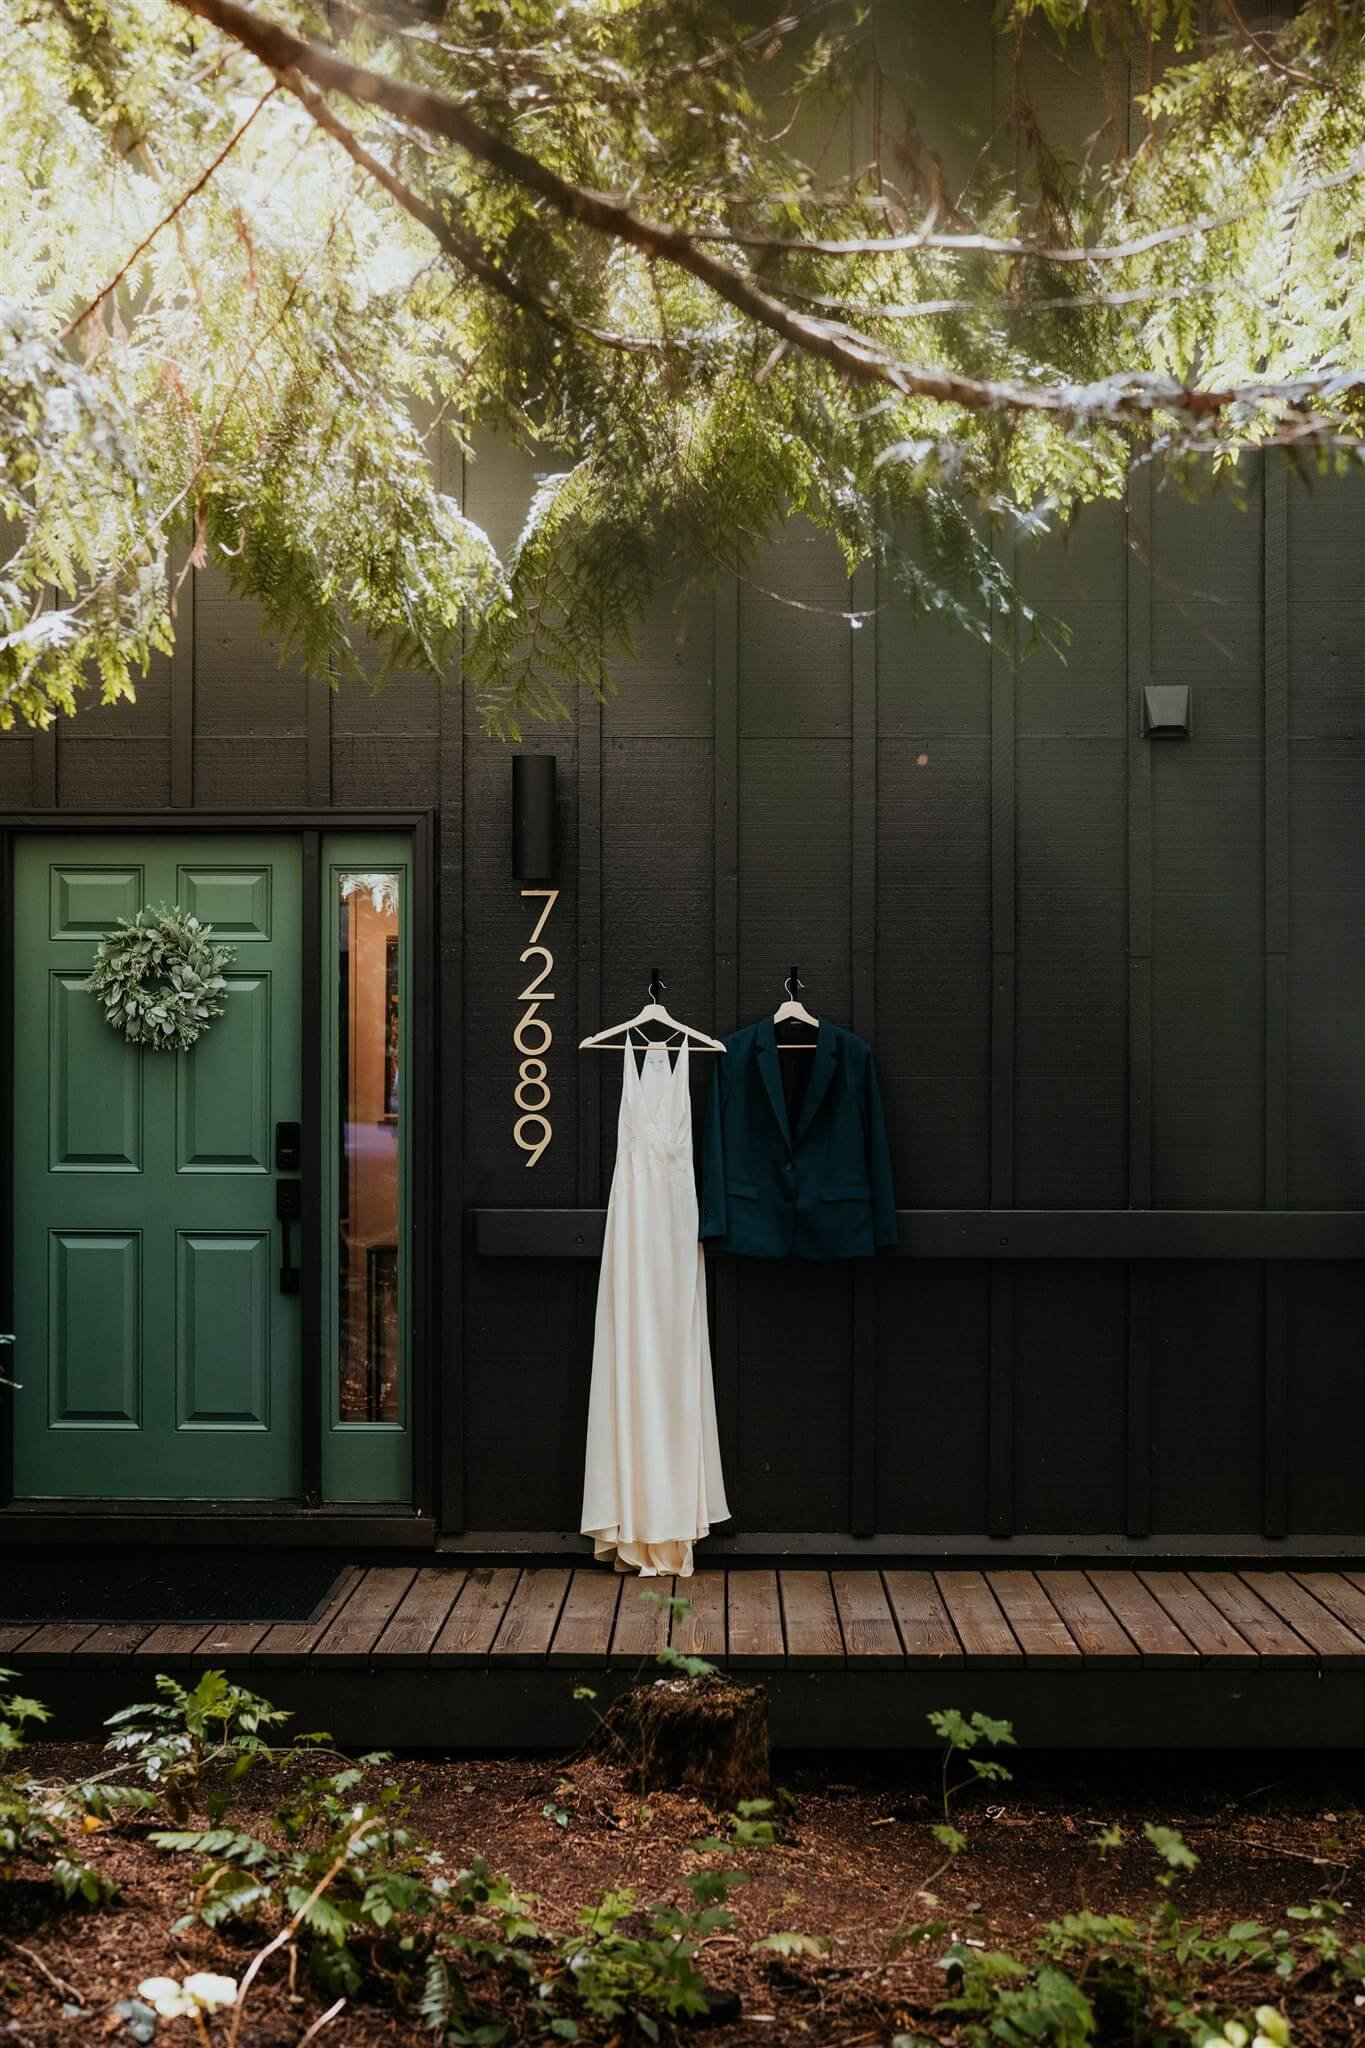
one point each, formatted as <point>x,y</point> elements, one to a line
<point>533,1039</point>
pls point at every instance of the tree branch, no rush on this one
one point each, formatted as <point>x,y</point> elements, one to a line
<point>181,203</point>
<point>855,355</point>
<point>1254,43</point>
<point>458,247</point>
<point>919,240</point>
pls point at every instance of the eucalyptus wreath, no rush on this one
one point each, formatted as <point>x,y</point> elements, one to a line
<point>160,978</point>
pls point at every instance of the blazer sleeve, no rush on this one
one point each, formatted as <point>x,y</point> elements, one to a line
<point>713,1216</point>
<point>878,1158</point>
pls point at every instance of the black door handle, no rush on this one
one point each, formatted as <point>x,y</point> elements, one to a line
<point>289,1209</point>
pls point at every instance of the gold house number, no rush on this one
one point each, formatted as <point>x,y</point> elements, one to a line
<point>532,1130</point>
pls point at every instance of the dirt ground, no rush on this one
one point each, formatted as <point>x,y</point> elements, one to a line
<point>1270,1833</point>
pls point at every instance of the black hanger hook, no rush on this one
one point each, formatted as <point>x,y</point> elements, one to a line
<point>657,984</point>
<point>793,983</point>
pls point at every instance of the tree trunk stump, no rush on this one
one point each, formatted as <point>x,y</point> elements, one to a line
<point>705,1735</point>
<point>692,1735</point>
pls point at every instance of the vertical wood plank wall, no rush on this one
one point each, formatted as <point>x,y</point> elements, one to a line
<point>1099,971</point>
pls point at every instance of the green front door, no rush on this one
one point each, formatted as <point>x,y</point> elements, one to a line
<point>157,1352</point>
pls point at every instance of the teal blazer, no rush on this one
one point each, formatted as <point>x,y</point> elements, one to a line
<point>820,1191</point>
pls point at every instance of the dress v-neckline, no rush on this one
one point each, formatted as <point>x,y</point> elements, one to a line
<point>642,1095</point>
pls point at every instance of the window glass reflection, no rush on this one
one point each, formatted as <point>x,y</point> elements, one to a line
<point>369,1033</point>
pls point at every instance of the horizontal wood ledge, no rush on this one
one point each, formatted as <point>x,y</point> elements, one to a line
<point>1004,1233</point>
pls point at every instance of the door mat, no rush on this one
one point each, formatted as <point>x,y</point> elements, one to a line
<point>67,1585</point>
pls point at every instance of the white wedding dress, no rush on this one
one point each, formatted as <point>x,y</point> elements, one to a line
<point>652,1483</point>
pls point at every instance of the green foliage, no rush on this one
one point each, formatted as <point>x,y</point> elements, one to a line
<point>370,1902</point>
<point>227,337</point>
<point>788,1944</point>
<point>361,1884</point>
<point>77,506</point>
<point>160,978</point>
<point>962,1735</point>
<point>653,1971</point>
<point>1171,1847</point>
<point>649,1971</point>
<point>1113,1977</point>
<point>341,1875</point>
<point>193,1745</point>
<point>680,1661</point>
<point>31,1833</point>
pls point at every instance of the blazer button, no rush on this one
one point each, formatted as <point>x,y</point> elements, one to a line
<point>788,1167</point>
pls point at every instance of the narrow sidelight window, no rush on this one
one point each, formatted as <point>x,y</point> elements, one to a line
<point>369,1012</point>
<point>366,1106</point>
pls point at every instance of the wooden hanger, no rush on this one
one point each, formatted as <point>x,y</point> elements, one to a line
<point>793,1011</point>
<point>652,1013</point>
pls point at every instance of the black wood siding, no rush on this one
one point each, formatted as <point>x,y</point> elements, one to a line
<point>1100,974</point>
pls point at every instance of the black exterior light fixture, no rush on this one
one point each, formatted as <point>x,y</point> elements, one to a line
<point>533,817</point>
<point>1166,711</point>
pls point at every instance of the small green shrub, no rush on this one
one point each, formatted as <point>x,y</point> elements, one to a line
<point>370,1903</point>
<point>193,1745</point>
<point>31,1815</point>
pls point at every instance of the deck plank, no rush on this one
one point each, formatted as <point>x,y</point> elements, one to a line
<point>925,1626</point>
<point>754,1614</point>
<point>172,1644</point>
<point>12,1637</point>
<point>1158,1638</point>
<point>291,1642</point>
<point>1196,1616</point>
<point>983,1631</point>
<point>229,1642</point>
<point>1273,1640</point>
<point>1040,1631</point>
<point>469,1629</point>
<point>419,1617</point>
<point>870,1638</point>
<point>532,1615</point>
<point>1333,1641</point>
<point>810,1621</point>
<point>56,1642</point>
<point>702,1632</point>
<point>113,1642</point>
<point>1097,1633</point>
<point>345,1644</point>
<point>642,1622</point>
<point>587,1619</point>
<point>1335,1591</point>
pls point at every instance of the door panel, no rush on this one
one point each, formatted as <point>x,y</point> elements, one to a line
<point>223,1331</point>
<point>223,1094</point>
<point>94,1088</point>
<point>87,902</point>
<point>94,1343</point>
<point>235,900</point>
<point>157,1356</point>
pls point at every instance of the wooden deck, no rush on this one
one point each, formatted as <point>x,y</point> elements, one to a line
<point>449,1657</point>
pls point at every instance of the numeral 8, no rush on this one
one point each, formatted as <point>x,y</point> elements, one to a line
<point>531,1079</point>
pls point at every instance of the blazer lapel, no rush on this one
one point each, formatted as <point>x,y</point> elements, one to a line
<point>769,1066</point>
<point>822,1071</point>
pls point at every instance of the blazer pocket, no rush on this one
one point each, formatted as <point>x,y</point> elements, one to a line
<point>846,1192</point>
<point>742,1187</point>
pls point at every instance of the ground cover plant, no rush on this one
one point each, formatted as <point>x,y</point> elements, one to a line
<point>300,1896</point>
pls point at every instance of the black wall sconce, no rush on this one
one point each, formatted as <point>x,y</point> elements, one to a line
<point>1166,711</point>
<point>533,817</point>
